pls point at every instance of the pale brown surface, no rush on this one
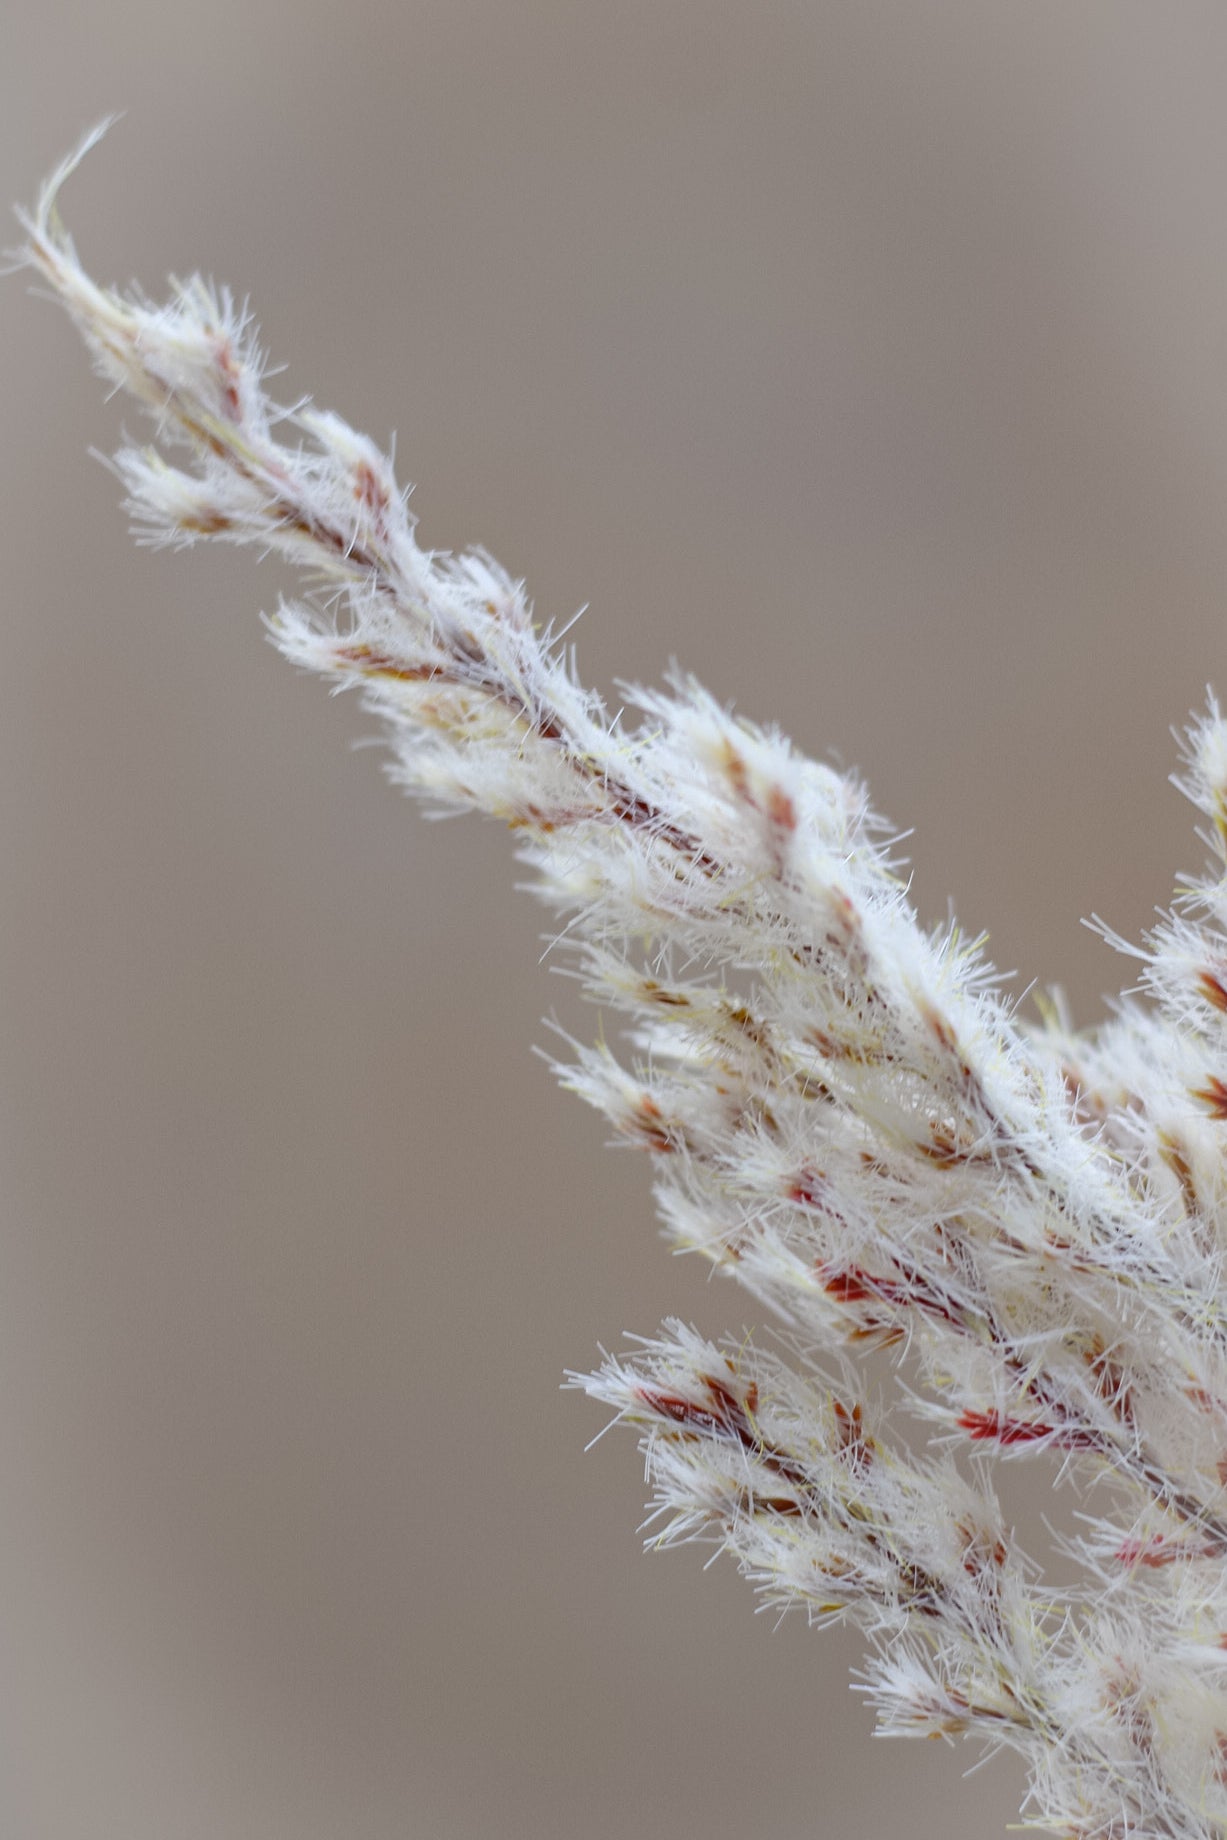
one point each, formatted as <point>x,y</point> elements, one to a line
<point>869,359</point>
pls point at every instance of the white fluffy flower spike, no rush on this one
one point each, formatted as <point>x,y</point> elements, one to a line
<point>842,1112</point>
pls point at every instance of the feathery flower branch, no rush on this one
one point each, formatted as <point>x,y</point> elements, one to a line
<point>842,1111</point>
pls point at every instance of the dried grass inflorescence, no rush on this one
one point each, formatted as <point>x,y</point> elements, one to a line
<point>842,1111</point>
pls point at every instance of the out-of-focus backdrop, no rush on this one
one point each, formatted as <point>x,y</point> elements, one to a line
<point>870,360</point>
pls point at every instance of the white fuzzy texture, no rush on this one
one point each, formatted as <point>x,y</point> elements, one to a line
<point>842,1112</point>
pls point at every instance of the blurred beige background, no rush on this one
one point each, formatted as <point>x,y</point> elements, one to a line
<point>868,358</point>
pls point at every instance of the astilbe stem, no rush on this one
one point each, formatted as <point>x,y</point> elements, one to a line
<point>842,1111</point>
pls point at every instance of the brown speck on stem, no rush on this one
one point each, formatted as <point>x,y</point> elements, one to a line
<point>1213,1096</point>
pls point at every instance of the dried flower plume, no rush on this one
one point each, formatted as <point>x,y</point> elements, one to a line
<point>842,1113</point>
